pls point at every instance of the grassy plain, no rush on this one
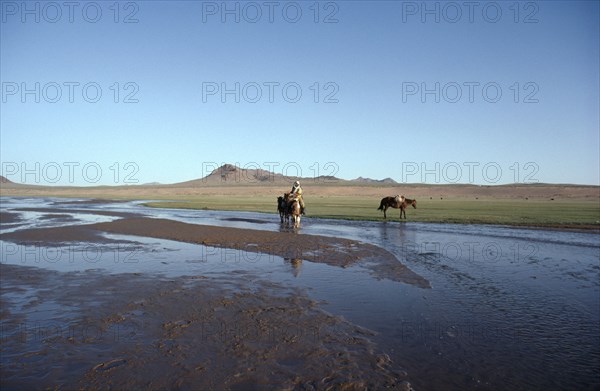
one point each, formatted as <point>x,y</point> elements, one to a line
<point>559,213</point>
<point>545,205</point>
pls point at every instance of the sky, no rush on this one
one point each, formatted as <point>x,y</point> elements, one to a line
<point>132,92</point>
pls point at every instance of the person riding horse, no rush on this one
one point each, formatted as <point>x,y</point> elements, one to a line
<point>297,193</point>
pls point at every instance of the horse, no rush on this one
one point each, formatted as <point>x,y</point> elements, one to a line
<point>282,208</point>
<point>390,202</point>
<point>288,206</point>
<point>397,202</point>
<point>295,211</point>
<point>405,204</point>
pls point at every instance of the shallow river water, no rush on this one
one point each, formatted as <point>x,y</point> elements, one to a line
<point>508,308</point>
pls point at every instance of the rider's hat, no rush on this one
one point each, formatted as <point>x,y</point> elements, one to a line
<point>297,183</point>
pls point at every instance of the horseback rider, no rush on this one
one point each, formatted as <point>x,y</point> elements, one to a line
<point>297,193</point>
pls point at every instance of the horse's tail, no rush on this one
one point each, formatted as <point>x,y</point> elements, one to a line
<point>380,205</point>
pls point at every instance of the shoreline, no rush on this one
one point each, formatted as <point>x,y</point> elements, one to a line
<point>581,228</point>
<point>146,202</point>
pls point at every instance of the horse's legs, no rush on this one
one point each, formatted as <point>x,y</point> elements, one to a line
<point>384,215</point>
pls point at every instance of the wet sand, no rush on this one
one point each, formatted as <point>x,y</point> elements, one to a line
<point>287,244</point>
<point>131,331</point>
<point>9,218</point>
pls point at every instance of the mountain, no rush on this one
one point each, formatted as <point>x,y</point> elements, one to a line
<point>6,183</point>
<point>230,174</point>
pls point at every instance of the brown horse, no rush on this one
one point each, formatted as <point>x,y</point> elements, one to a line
<point>397,202</point>
<point>295,211</point>
<point>405,204</point>
<point>288,206</point>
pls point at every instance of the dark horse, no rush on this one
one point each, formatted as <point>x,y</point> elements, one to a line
<point>288,206</point>
<point>282,209</point>
<point>397,202</point>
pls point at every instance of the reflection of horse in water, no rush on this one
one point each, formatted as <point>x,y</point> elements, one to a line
<point>288,206</point>
<point>397,202</point>
<point>296,266</point>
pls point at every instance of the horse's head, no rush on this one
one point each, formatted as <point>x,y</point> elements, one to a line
<point>414,204</point>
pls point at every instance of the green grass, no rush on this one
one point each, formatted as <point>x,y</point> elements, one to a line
<point>563,213</point>
<point>576,213</point>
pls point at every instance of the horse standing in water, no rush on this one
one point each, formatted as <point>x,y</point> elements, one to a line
<point>282,209</point>
<point>295,211</point>
<point>397,202</point>
<point>288,206</point>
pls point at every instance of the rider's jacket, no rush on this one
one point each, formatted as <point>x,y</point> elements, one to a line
<point>297,191</point>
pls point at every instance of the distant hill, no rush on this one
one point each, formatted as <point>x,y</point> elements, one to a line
<point>227,178</point>
<point>229,174</point>
<point>8,184</point>
<point>386,181</point>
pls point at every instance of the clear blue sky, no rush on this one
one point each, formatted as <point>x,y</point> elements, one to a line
<point>370,68</point>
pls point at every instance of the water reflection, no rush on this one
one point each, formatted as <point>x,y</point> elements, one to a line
<point>296,264</point>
